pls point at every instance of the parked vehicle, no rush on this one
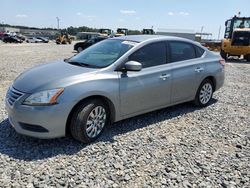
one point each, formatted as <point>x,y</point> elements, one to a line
<point>1,35</point>
<point>80,46</point>
<point>236,40</point>
<point>11,39</point>
<point>112,80</point>
<point>21,37</point>
<point>43,39</point>
<point>33,40</point>
<point>64,38</point>
<point>148,32</point>
<point>105,32</point>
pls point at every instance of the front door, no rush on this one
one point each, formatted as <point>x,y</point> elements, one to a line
<point>149,88</point>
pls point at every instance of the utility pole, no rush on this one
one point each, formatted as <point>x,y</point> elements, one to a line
<point>219,33</point>
<point>58,20</point>
<point>202,27</point>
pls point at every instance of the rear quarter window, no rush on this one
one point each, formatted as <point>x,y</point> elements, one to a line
<point>199,51</point>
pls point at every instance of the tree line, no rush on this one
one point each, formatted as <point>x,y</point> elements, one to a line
<point>70,30</point>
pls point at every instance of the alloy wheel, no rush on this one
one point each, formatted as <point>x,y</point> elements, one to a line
<point>206,93</point>
<point>96,121</point>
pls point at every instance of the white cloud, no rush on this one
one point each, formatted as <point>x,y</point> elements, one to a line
<point>184,13</point>
<point>128,12</point>
<point>121,20</point>
<point>180,13</point>
<point>21,16</point>
<point>87,17</point>
<point>170,13</point>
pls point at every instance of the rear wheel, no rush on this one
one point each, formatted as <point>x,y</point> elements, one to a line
<point>223,54</point>
<point>204,93</point>
<point>247,57</point>
<point>89,120</point>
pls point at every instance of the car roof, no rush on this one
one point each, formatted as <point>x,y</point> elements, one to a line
<point>142,38</point>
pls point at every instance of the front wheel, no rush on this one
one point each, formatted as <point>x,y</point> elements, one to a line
<point>204,93</point>
<point>89,120</point>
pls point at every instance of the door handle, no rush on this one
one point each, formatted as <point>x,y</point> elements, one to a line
<point>165,76</point>
<point>199,69</point>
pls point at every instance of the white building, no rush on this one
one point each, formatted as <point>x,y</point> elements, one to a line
<point>184,33</point>
<point>9,30</point>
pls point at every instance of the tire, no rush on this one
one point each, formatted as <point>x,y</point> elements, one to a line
<point>79,49</point>
<point>223,54</point>
<point>58,41</point>
<point>86,126</point>
<point>206,87</point>
<point>247,57</point>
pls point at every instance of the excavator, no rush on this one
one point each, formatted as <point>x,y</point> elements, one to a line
<point>236,40</point>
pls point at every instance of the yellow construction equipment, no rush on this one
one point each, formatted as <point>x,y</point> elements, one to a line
<point>64,38</point>
<point>148,32</point>
<point>121,32</point>
<point>236,40</point>
<point>105,32</point>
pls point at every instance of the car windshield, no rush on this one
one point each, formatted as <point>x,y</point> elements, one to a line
<point>102,54</point>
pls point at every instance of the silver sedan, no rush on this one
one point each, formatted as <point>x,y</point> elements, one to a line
<point>115,79</point>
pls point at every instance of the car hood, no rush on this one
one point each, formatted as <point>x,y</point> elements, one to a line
<point>50,76</point>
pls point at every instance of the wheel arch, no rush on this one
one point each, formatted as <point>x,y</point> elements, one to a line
<point>106,100</point>
<point>213,80</point>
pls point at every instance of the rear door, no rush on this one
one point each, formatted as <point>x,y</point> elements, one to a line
<point>149,88</point>
<point>186,71</point>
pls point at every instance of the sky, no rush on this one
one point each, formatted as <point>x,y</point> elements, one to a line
<point>132,14</point>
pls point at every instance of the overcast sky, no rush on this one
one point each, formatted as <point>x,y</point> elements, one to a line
<point>132,14</point>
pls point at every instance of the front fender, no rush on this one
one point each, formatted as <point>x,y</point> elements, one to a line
<point>106,87</point>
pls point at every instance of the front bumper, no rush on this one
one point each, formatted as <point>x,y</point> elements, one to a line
<point>38,121</point>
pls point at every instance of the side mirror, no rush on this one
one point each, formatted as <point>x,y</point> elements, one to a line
<point>133,66</point>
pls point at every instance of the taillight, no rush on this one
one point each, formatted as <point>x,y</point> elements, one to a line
<point>222,62</point>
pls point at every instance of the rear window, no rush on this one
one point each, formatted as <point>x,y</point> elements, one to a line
<point>241,39</point>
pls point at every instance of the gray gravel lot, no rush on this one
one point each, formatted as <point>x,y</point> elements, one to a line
<point>180,146</point>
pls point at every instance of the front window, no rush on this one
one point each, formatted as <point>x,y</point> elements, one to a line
<point>241,23</point>
<point>103,53</point>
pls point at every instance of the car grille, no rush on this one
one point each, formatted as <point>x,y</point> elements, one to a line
<point>13,95</point>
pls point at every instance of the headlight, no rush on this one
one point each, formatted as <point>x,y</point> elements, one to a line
<point>48,97</point>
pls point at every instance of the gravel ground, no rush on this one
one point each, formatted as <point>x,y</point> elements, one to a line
<point>180,146</point>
